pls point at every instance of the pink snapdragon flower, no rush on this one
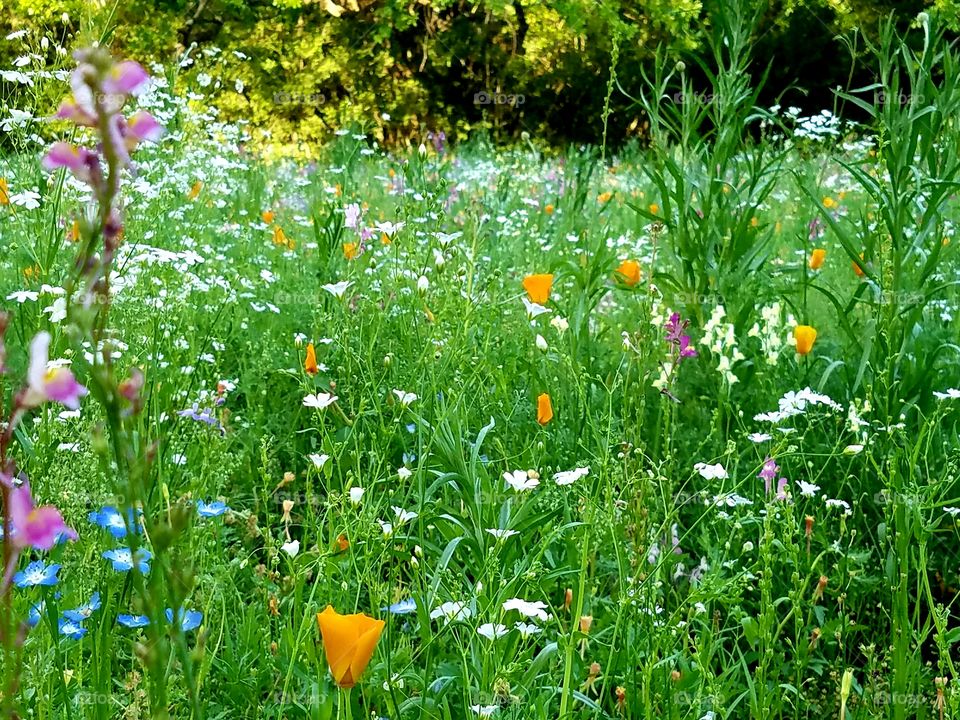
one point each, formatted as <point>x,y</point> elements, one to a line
<point>35,527</point>
<point>49,383</point>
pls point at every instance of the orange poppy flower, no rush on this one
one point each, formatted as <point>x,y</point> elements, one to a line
<point>857,268</point>
<point>279,236</point>
<point>817,257</point>
<point>629,272</point>
<point>538,287</point>
<point>548,209</point>
<point>74,233</point>
<point>604,197</point>
<point>805,337</point>
<point>654,209</point>
<point>195,190</point>
<point>310,364</point>
<point>267,216</point>
<point>4,192</point>
<point>342,542</point>
<point>544,409</point>
<point>348,642</point>
<point>350,250</point>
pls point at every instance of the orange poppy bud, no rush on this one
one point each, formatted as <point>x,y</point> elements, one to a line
<point>4,192</point>
<point>857,268</point>
<point>805,337</point>
<point>74,234</point>
<point>538,287</point>
<point>350,250</point>
<point>567,599</point>
<point>544,409</point>
<point>817,257</point>
<point>267,216</point>
<point>310,364</point>
<point>384,239</point>
<point>348,642</point>
<point>629,272</point>
<point>586,622</point>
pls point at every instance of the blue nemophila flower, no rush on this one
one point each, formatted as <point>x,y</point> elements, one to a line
<point>404,607</point>
<point>209,510</point>
<point>37,573</point>
<point>71,629</point>
<point>204,416</point>
<point>189,619</point>
<point>122,559</point>
<point>111,519</point>
<point>133,621</point>
<point>36,613</point>
<point>84,611</point>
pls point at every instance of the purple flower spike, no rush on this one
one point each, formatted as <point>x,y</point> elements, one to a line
<point>768,472</point>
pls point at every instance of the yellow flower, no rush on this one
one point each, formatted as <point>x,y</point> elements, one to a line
<point>195,190</point>
<point>817,257</point>
<point>350,250</point>
<point>629,272</point>
<point>349,642</point>
<point>805,337</point>
<point>829,202</point>
<point>604,197</point>
<point>538,287</point>
<point>74,234</point>
<point>4,192</point>
<point>544,409</point>
<point>548,209</point>
<point>654,209</point>
<point>279,236</point>
<point>310,363</point>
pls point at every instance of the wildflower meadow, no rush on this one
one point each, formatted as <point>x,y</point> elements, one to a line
<point>661,426</point>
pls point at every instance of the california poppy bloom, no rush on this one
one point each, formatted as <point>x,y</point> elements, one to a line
<point>4,192</point>
<point>538,287</point>
<point>310,363</point>
<point>805,337</point>
<point>74,234</point>
<point>604,197</point>
<point>349,642</point>
<point>279,236</point>
<point>267,216</point>
<point>350,250</point>
<point>195,190</point>
<point>629,272</point>
<point>548,209</point>
<point>817,257</point>
<point>544,409</point>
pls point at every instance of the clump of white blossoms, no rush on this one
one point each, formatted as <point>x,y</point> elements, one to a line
<point>772,332</point>
<point>719,337</point>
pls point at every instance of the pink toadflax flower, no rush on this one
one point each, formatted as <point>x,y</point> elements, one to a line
<point>46,383</point>
<point>36,527</point>
<point>77,160</point>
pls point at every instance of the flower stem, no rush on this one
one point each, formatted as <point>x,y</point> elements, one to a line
<point>346,709</point>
